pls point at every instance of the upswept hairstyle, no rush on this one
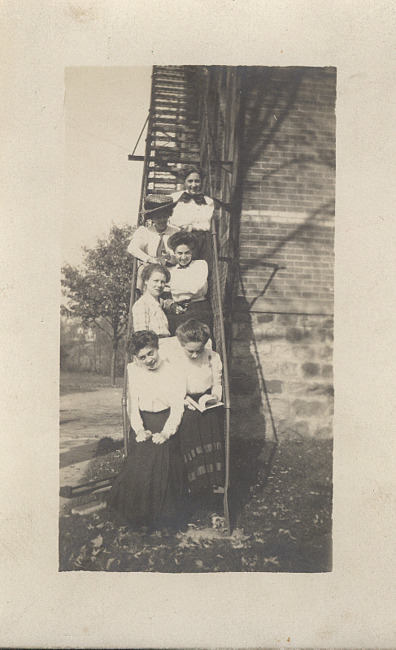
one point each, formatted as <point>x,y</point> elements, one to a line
<point>179,238</point>
<point>152,268</point>
<point>193,331</point>
<point>191,169</point>
<point>142,339</point>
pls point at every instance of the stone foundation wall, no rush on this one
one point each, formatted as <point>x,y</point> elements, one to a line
<point>282,365</point>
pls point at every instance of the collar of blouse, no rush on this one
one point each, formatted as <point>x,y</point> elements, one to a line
<point>204,359</point>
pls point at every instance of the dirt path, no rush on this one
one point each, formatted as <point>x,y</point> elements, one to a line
<point>85,418</point>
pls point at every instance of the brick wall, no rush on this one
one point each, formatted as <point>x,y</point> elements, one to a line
<point>283,313</point>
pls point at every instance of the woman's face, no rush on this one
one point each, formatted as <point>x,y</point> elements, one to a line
<point>155,284</point>
<point>161,222</point>
<point>193,183</point>
<point>183,254</point>
<point>148,358</point>
<point>193,349</point>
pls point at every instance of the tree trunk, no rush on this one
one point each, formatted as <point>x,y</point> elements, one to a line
<point>113,363</point>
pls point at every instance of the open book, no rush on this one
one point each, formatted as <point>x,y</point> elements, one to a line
<point>204,403</point>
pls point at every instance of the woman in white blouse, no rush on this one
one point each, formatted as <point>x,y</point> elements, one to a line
<point>188,284</point>
<point>147,312</point>
<point>201,433</point>
<point>148,491</point>
<point>149,243</point>
<point>193,211</point>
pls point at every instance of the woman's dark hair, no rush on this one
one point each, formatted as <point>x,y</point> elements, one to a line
<point>191,169</point>
<point>193,331</point>
<point>152,268</point>
<point>182,238</point>
<point>142,339</point>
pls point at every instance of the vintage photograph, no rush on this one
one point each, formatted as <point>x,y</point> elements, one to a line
<point>196,319</point>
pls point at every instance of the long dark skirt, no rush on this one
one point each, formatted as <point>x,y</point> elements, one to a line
<point>200,310</point>
<point>149,488</point>
<point>203,247</point>
<point>202,444</point>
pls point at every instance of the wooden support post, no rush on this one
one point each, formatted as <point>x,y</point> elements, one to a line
<point>227,402</point>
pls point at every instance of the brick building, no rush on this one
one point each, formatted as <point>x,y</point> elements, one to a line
<point>283,316</point>
<point>266,138</point>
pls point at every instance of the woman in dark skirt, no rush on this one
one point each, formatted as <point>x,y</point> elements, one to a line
<point>149,489</point>
<point>188,285</point>
<point>201,433</point>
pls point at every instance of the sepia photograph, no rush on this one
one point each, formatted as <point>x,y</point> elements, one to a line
<point>197,319</point>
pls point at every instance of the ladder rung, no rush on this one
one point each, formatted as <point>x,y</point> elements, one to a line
<point>167,89</point>
<point>170,73</point>
<point>172,89</point>
<point>169,110</point>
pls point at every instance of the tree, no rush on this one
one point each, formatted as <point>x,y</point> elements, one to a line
<point>99,291</point>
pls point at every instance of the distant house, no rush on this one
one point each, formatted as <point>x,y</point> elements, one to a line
<point>88,333</point>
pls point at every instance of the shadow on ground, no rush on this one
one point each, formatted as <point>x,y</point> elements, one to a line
<point>280,500</point>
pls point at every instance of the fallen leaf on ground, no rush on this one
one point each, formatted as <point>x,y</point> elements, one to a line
<point>98,541</point>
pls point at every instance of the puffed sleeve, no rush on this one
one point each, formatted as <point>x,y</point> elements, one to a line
<point>200,276</point>
<point>133,398</point>
<point>139,313</point>
<point>176,394</point>
<point>217,372</point>
<point>138,243</point>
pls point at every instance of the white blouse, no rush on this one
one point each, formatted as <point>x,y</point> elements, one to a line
<point>189,283</point>
<point>200,374</point>
<point>190,214</point>
<point>145,240</point>
<point>155,390</point>
<point>147,314</point>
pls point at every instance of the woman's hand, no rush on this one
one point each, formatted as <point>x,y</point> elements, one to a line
<point>188,404</point>
<point>159,438</point>
<point>177,309</point>
<point>143,435</point>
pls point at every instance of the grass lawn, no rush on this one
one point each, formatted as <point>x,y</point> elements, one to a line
<point>280,504</point>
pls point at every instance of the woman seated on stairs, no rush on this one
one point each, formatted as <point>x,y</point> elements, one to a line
<point>147,312</point>
<point>188,284</point>
<point>201,433</point>
<point>149,490</point>
<point>149,244</point>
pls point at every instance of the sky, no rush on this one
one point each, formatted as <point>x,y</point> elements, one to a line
<point>105,109</point>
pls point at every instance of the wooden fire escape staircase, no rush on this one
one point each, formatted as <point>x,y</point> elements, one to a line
<point>194,119</point>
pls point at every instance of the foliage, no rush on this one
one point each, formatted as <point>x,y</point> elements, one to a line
<point>99,292</point>
<point>87,350</point>
<point>281,506</point>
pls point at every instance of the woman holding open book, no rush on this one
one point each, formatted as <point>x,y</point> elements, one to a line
<point>201,429</point>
